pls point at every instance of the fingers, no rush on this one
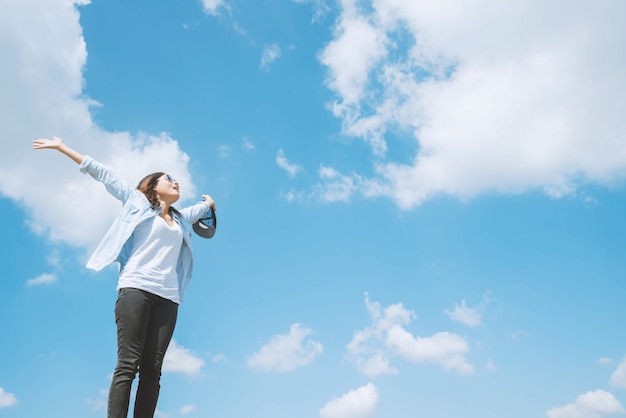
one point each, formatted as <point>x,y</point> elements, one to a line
<point>209,200</point>
<point>39,143</point>
<point>42,143</point>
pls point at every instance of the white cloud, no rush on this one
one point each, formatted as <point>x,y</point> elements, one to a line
<point>54,259</point>
<point>504,97</point>
<point>466,315</point>
<point>42,279</point>
<point>443,348</point>
<point>219,358</point>
<point>44,69</point>
<point>247,145</point>
<point>376,365</point>
<point>358,46</point>
<point>212,6</point>
<point>358,403</point>
<point>372,346</point>
<point>605,360</point>
<point>223,151</point>
<point>293,196</point>
<point>99,403</point>
<point>335,187</point>
<point>7,399</point>
<point>618,377</point>
<point>187,409</point>
<point>287,352</point>
<point>179,359</point>
<point>291,169</point>
<point>519,334</point>
<point>320,8</point>
<point>589,405</point>
<point>270,54</point>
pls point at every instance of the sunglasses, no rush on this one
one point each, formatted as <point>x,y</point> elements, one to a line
<point>170,178</point>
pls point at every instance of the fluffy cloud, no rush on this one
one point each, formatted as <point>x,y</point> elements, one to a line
<point>588,405</point>
<point>247,145</point>
<point>99,403</point>
<point>499,96</point>
<point>187,409</point>
<point>212,6</point>
<point>443,348</point>
<point>320,7</point>
<point>375,364</point>
<point>465,314</point>
<point>358,403</point>
<point>337,187</point>
<point>287,352</point>
<point>7,399</point>
<point>42,279</point>
<point>290,168</point>
<point>618,377</point>
<point>179,359</point>
<point>270,54</point>
<point>371,347</point>
<point>470,316</point>
<point>219,358</point>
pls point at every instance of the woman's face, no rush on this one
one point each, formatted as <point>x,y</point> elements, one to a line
<point>167,189</point>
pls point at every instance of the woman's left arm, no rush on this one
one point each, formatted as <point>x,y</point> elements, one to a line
<point>197,211</point>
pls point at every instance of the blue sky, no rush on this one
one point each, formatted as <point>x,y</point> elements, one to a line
<point>420,203</point>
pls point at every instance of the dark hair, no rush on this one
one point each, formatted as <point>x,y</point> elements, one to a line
<point>147,186</point>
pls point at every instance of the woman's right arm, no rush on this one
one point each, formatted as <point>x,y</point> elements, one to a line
<point>59,145</point>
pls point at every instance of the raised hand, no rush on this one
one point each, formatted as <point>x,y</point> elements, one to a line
<point>54,143</point>
<point>209,200</point>
<point>58,144</point>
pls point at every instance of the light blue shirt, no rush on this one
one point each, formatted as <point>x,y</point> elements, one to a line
<point>115,246</point>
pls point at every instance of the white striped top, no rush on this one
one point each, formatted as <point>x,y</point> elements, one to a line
<point>153,259</point>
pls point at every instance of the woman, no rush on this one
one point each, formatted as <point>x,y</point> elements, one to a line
<point>151,241</point>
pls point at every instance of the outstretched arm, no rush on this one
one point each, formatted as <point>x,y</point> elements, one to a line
<point>59,145</point>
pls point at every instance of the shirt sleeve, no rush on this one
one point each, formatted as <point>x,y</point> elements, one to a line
<point>192,213</point>
<point>114,184</point>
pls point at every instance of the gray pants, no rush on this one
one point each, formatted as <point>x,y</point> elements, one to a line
<point>145,325</point>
